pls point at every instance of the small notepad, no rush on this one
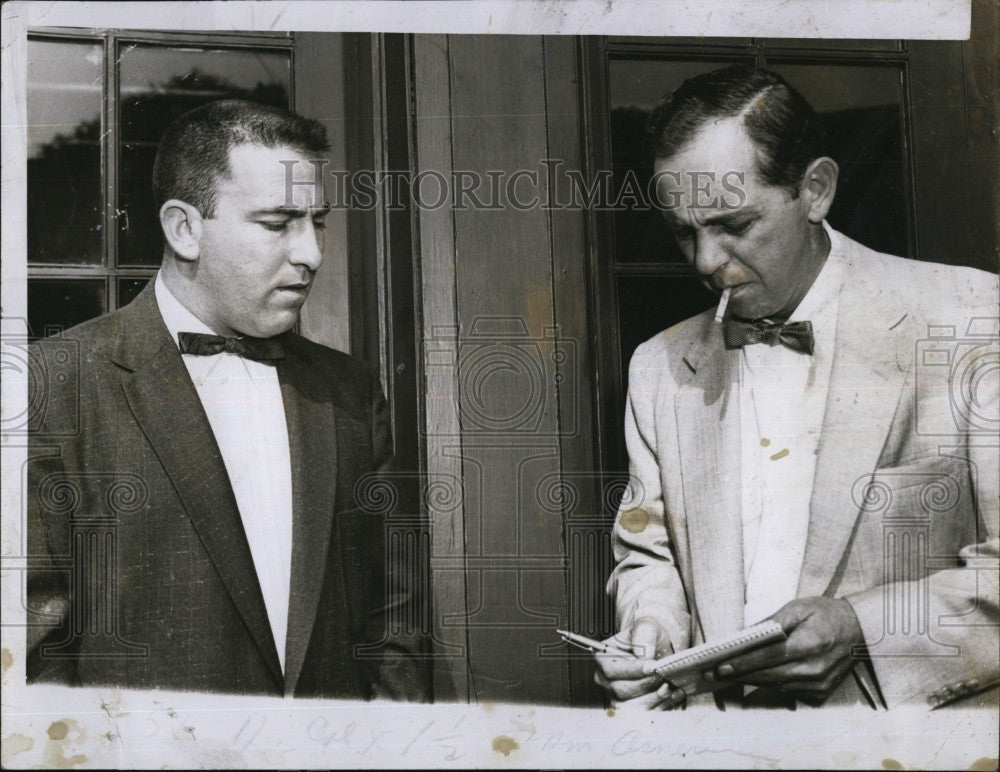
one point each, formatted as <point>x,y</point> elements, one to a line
<point>684,670</point>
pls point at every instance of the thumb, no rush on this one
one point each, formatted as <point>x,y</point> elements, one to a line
<point>645,637</point>
<point>792,614</point>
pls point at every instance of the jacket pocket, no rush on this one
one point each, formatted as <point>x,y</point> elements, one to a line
<point>914,519</point>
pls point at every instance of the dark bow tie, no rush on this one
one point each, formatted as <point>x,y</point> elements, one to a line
<point>798,336</point>
<point>258,349</point>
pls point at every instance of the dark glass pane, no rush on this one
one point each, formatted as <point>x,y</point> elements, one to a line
<point>140,240</point>
<point>702,42</point>
<point>649,304</point>
<point>842,44</point>
<point>55,305</point>
<point>129,288</point>
<point>64,152</point>
<point>862,108</point>
<point>157,85</point>
<point>635,87</point>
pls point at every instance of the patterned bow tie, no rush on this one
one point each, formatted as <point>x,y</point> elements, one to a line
<point>257,349</point>
<point>798,336</point>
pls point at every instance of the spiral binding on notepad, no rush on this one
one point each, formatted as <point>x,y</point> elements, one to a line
<point>709,653</point>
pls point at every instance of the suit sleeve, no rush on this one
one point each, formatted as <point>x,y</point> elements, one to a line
<point>938,635</point>
<point>46,495</point>
<point>402,671</point>
<point>951,647</point>
<point>645,582</point>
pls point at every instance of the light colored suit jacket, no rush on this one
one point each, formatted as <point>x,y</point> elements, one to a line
<point>903,518</point>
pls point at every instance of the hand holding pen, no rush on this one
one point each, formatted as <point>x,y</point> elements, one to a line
<point>608,647</point>
<point>621,665</point>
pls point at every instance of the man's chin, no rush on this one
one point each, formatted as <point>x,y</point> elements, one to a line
<point>273,327</point>
<point>746,304</point>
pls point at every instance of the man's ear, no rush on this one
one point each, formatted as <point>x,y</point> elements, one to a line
<point>819,186</point>
<point>181,224</point>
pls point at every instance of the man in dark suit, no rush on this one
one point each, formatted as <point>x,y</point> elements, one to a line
<point>205,526</point>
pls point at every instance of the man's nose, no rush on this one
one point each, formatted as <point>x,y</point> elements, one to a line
<point>307,250</point>
<point>709,256</point>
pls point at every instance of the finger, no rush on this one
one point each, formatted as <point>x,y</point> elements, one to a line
<point>670,697</point>
<point>804,688</point>
<point>820,687</point>
<point>770,656</point>
<point>793,613</point>
<point>620,668</point>
<point>804,671</point>
<point>630,690</point>
<point>627,688</point>
<point>642,702</point>
<point>821,676</point>
<point>768,677</point>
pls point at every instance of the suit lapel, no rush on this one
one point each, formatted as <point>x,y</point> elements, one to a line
<point>708,428</point>
<point>313,451</point>
<point>866,379</point>
<point>166,406</point>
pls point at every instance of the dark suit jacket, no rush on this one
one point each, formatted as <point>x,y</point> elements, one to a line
<point>140,571</point>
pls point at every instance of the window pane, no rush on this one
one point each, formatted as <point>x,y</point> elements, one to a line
<point>818,44</point>
<point>649,304</point>
<point>64,151</point>
<point>635,87</point>
<point>157,85</point>
<point>58,304</point>
<point>129,288</point>
<point>862,109</point>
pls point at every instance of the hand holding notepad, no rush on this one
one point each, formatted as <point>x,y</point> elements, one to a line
<point>685,670</point>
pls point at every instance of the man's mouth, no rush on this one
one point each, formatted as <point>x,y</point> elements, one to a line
<point>720,288</point>
<point>734,288</point>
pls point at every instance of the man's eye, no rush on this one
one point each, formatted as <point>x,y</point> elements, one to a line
<point>683,234</point>
<point>319,223</point>
<point>276,227</point>
<point>738,229</point>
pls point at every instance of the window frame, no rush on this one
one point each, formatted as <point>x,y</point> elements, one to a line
<point>112,41</point>
<point>605,269</point>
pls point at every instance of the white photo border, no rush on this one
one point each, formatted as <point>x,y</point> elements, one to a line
<point>56,726</point>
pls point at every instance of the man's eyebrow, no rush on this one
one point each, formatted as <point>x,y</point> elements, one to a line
<point>725,216</point>
<point>291,211</point>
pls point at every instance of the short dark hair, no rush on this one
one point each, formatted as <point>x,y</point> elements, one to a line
<point>194,151</point>
<point>785,129</point>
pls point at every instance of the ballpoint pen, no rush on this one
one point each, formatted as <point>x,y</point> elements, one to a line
<point>596,647</point>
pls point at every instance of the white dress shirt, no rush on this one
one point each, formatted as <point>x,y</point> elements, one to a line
<point>782,401</point>
<point>242,399</point>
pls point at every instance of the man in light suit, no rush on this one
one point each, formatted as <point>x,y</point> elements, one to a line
<point>825,455</point>
<point>205,525</point>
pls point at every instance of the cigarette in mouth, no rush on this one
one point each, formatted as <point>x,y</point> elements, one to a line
<point>723,302</point>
